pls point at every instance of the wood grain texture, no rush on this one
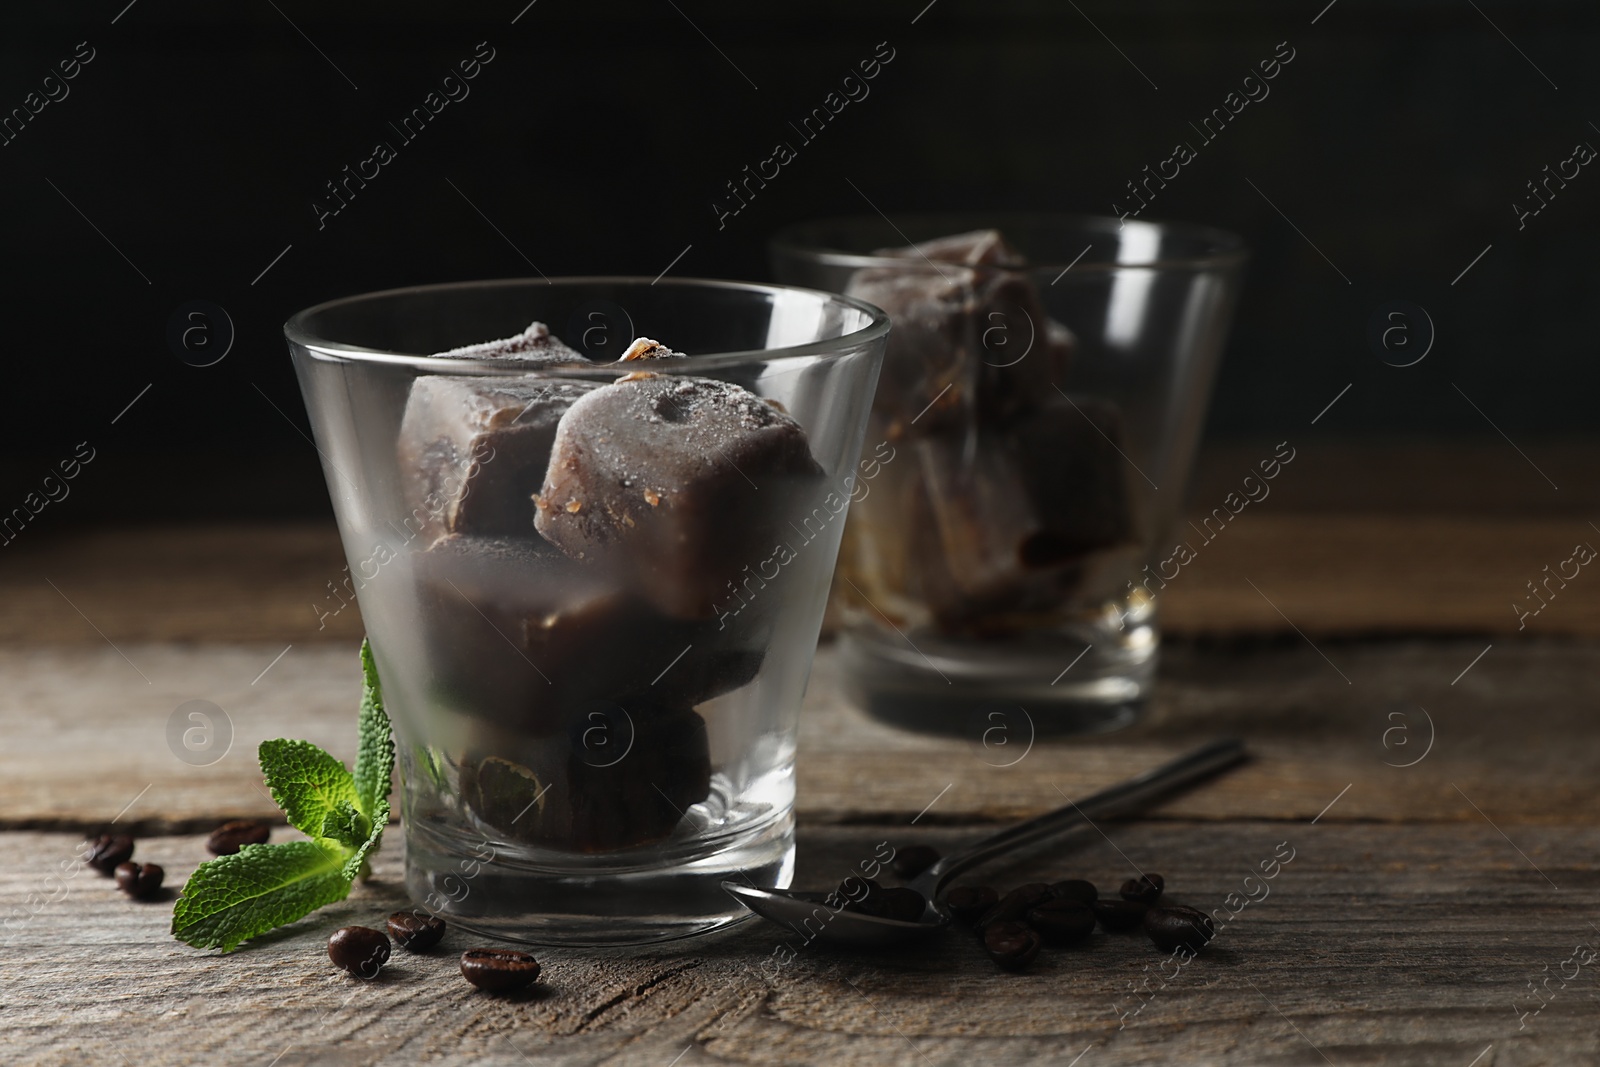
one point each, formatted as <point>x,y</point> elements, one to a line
<point>1410,945</point>
<point>1343,575</point>
<point>85,735</point>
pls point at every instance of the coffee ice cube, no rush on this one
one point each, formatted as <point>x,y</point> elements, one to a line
<point>1017,510</point>
<point>1073,459</point>
<point>930,367</point>
<point>1024,354</point>
<point>618,776</point>
<point>520,636</point>
<point>473,451</point>
<point>987,248</point>
<point>678,483</point>
<point>992,336</point>
<point>536,344</point>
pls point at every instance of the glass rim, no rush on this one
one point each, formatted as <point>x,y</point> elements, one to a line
<point>298,331</point>
<point>1228,248</point>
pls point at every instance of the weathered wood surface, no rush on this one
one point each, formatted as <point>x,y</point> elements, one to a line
<point>85,735</point>
<point>1352,575</point>
<point>1407,945</point>
<point>1422,901</point>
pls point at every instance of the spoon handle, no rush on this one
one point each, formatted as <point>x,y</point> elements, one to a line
<point>1123,797</point>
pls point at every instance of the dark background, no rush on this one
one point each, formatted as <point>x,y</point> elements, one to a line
<point>597,138</point>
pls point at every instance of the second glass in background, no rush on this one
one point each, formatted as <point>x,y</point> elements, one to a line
<point>1030,443</point>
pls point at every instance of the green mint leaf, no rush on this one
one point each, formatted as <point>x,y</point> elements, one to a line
<point>233,898</point>
<point>375,756</point>
<point>308,784</point>
<point>374,763</point>
<point>347,826</point>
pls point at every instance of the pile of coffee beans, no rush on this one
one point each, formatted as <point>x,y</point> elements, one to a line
<point>1063,914</point>
<point>362,951</point>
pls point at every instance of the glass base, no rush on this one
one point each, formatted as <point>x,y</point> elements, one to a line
<point>1077,680</point>
<point>640,896</point>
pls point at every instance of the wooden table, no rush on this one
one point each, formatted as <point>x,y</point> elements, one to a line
<point>1426,914</point>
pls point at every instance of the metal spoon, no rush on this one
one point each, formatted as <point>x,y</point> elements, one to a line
<point>808,914</point>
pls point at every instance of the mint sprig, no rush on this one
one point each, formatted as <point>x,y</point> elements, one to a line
<point>231,899</point>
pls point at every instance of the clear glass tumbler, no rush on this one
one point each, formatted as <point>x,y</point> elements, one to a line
<point>593,588</point>
<point>1041,399</point>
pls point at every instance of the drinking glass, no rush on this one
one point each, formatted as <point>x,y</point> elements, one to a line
<point>591,734</point>
<point>1036,421</point>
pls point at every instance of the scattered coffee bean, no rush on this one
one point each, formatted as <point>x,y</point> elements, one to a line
<point>1120,915</point>
<point>1011,945</point>
<point>496,970</point>
<point>1146,889</point>
<point>969,903</point>
<point>913,860</point>
<point>228,838</point>
<point>109,851</point>
<point>415,931</point>
<point>141,882</point>
<point>1017,903</point>
<point>359,950</point>
<point>1062,922</point>
<point>1076,889</point>
<point>902,905</point>
<point>1175,926</point>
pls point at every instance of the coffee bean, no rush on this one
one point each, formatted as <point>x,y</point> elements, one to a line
<point>141,882</point>
<point>1076,889</point>
<point>1146,889</point>
<point>108,851</point>
<point>1176,926</point>
<point>903,905</point>
<point>228,838</point>
<point>1012,945</point>
<point>969,903</point>
<point>415,931</point>
<point>1062,922</point>
<point>1017,903</point>
<point>1120,915</point>
<point>856,887</point>
<point>496,970</point>
<point>359,950</point>
<point>913,860</point>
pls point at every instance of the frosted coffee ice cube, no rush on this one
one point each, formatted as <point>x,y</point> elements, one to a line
<point>518,634</point>
<point>677,484</point>
<point>473,451</point>
<point>982,333</point>
<point>1017,510</point>
<point>930,366</point>
<point>1023,354</point>
<point>1073,457</point>
<point>536,344</point>
<point>986,248</point>
<point>522,637</point>
<point>620,775</point>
